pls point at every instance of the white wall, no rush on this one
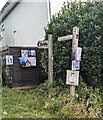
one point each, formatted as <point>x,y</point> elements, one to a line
<point>28,19</point>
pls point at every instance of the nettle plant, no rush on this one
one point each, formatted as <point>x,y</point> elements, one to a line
<point>89,18</point>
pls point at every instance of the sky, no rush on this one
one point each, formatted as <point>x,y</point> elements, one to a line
<point>2,3</point>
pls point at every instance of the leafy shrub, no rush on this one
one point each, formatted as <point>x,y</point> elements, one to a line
<point>53,105</point>
<point>90,98</point>
<point>5,73</point>
<point>87,103</point>
<point>89,18</point>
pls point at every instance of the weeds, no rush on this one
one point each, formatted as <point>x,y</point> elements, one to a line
<point>36,103</point>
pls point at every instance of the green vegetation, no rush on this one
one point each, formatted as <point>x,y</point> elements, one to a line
<point>37,103</point>
<point>89,18</point>
<point>54,101</point>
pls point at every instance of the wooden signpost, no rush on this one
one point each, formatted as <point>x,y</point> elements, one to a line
<point>50,58</point>
<point>71,75</point>
<point>50,62</point>
<point>48,44</point>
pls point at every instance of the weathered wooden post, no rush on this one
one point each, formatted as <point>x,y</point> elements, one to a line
<point>74,47</point>
<point>75,42</point>
<point>50,58</point>
<point>72,75</point>
<point>48,44</point>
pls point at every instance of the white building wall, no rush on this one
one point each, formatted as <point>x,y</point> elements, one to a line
<point>24,26</point>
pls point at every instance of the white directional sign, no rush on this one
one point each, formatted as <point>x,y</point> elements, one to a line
<point>72,77</point>
<point>78,53</point>
<point>9,60</point>
<point>75,65</point>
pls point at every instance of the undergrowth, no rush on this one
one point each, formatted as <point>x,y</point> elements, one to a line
<point>52,101</point>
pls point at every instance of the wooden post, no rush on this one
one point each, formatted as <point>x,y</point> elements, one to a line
<point>74,46</point>
<point>50,58</point>
<point>74,38</point>
<point>75,41</point>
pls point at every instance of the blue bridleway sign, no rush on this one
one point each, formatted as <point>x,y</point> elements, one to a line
<point>9,59</point>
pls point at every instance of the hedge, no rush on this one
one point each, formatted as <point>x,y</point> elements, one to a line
<point>89,18</point>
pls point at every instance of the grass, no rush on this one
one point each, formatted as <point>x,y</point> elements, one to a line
<point>20,103</point>
<point>37,103</point>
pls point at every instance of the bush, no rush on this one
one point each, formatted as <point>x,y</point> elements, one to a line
<point>4,73</point>
<point>53,105</point>
<point>89,18</point>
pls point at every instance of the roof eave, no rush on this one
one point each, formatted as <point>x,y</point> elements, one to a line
<point>8,7</point>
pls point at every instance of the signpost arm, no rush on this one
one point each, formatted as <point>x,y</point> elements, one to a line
<point>63,38</point>
<point>74,47</point>
<point>50,58</point>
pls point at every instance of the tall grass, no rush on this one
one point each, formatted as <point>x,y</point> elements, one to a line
<point>40,103</point>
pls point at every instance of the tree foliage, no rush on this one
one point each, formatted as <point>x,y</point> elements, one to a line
<point>89,18</point>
